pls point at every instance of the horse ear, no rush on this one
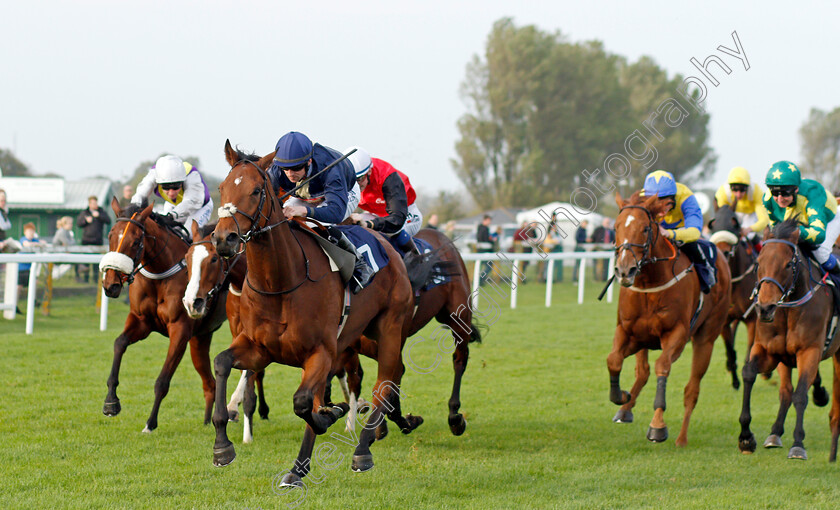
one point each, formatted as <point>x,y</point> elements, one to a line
<point>767,233</point>
<point>619,201</point>
<point>115,206</point>
<point>195,230</point>
<point>230,154</point>
<point>146,212</point>
<point>266,160</point>
<point>650,203</point>
<point>795,237</point>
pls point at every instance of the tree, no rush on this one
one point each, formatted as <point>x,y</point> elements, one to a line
<point>541,110</point>
<point>448,205</point>
<point>820,137</point>
<point>12,166</point>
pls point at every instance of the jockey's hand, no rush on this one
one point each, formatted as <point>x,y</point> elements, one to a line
<point>667,234</point>
<point>357,219</point>
<point>366,224</point>
<point>746,231</point>
<point>294,210</point>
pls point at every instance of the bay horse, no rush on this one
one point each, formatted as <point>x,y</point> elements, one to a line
<point>291,308</point>
<point>150,257</point>
<point>742,257</point>
<point>658,309</point>
<point>213,280</point>
<point>448,303</point>
<point>795,309</point>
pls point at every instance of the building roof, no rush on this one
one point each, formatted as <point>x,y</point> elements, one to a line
<point>500,216</point>
<point>76,195</point>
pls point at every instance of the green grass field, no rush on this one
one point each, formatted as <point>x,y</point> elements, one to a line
<point>539,428</point>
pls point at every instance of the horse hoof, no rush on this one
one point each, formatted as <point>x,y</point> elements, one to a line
<point>381,431</point>
<point>362,406</point>
<point>657,435</point>
<point>797,452</point>
<point>233,415</point>
<point>264,412</point>
<point>362,463</point>
<point>736,384</point>
<point>413,423</point>
<point>820,396</point>
<point>111,408</point>
<point>147,430</point>
<point>457,424</point>
<point>224,455</point>
<point>623,416</point>
<point>290,480</point>
<point>747,445</point>
<point>773,441</point>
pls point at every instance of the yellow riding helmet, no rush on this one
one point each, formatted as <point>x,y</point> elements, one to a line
<point>739,175</point>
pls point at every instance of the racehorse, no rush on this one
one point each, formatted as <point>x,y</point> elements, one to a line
<point>742,257</point>
<point>448,303</point>
<point>660,308</point>
<point>291,309</point>
<point>213,278</point>
<point>150,257</point>
<point>795,309</point>
<point>740,254</point>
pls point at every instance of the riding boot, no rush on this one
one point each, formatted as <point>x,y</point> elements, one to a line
<point>362,272</point>
<point>409,248</point>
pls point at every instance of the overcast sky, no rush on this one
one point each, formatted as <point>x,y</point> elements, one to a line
<point>94,87</point>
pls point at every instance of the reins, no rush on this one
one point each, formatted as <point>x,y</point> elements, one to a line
<point>796,260</point>
<point>138,255</point>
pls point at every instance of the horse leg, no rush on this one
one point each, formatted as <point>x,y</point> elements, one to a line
<point>461,335</point>
<point>746,441</point>
<point>625,413</point>
<point>240,348</point>
<point>303,462</point>
<point>249,405</point>
<point>309,397</point>
<point>728,334</point>
<point>237,397</point>
<point>263,404</point>
<point>807,362</point>
<point>621,349</point>
<point>819,393</point>
<point>177,345</point>
<point>700,359</point>
<point>834,415</point>
<point>200,354</point>
<point>774,440</point>
<point>672,345</point>
<point>134,330</point>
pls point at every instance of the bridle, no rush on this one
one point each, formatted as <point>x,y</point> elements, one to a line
<point>222,279</point>
<point>796,260</point>
<point>138,254</point>
<point>653,236</point>
<point>255,230</point>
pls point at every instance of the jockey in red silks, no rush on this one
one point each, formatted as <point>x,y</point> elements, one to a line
<point>388,195</point>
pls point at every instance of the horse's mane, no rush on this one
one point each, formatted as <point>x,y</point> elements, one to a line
<point>247,156</point>
<point>636,198</point>
<point>207,229</point>
<point>132,208</point>
<point>786,228</point>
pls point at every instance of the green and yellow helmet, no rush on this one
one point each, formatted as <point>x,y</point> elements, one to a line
<point>783,173</point>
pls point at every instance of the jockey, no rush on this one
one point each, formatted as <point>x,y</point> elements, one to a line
<point>181,186</point>
<point>387,194</point>
<point>328,198</point>
<point>746,200</point>
<point>788,195</point>
<point>682,223</point>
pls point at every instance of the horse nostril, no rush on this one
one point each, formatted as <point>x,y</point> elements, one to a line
<point>231,238</point>
<point>198,304</point>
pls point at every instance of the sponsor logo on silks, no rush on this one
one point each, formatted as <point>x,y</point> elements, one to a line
<point>380,200</point>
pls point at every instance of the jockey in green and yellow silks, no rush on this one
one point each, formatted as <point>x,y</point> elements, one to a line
<point>683,222</point>
<point>789,195</point>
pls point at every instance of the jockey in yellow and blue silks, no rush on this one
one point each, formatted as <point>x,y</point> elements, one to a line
<point>789,195</point>
<point>682,223</point>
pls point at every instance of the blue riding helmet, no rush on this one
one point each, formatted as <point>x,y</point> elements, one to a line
<point>293,149</point>
<point>660,183</point>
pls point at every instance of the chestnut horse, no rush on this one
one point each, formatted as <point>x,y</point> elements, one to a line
<point>658,309</point>
<point>795,310</point>
<point>151,258</point>
<point>213,278</point>
<point>291,308</point>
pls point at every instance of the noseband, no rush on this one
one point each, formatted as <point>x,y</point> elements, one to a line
<point>652,238</point>
<point>786,291</point>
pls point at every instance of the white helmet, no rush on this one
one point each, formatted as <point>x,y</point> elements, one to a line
<point>360,160</point>
<point>170,169</point>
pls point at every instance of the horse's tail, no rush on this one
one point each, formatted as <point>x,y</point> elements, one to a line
<point>425,268</point>
<point>475,331</point>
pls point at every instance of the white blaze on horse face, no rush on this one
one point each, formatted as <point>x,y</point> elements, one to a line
<point>624,253</point>
<point>630,219</point>
<point>237,181</point>
<point>199,254</point>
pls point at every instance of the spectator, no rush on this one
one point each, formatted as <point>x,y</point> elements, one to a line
<point>30,243</point>
<point>64,232</point>
<point>5,223</point>
<point>127,193</point>
<point>604,237</point>
<point>484,244</point>
<point>523,241</point>
<point>92,221</point>
<point>449,229</point>
<point>553,244</point>
<point>433,222</point>
<point>580,240</point>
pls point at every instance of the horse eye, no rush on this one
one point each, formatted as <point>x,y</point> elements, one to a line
<point>646,229</point>
<point>256,192</point>
<point>214,259</point>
